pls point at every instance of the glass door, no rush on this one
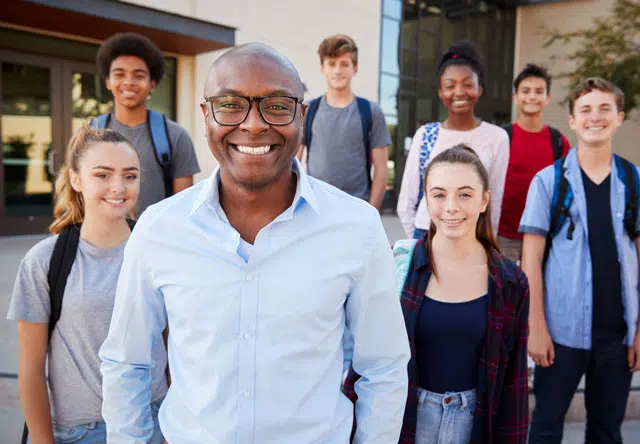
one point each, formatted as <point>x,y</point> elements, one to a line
<point>30,116</point>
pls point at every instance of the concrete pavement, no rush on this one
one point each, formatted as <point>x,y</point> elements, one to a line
<point>13,249</point>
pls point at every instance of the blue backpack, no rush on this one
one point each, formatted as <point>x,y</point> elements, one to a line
<point>429,139</point>
<point>563,197</point>
<point>157,125</point>
<point>364,108</point>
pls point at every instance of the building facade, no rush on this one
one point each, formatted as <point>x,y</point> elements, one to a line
<point>49,83</point>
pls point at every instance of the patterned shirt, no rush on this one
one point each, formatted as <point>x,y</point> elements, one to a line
<point>502,409</point>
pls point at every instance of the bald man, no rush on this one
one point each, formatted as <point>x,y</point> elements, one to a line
<point>260,272</point>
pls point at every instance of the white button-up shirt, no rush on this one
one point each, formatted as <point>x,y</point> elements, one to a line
<point>256,346</point>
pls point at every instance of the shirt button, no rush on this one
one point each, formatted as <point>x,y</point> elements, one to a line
<point>245,393</point>
<point>246,336</point>
<point>249,277</point>
<point>619,214</point>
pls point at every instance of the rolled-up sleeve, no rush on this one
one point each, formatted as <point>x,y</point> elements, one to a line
<point>138,320</point>
<point>381,347</point>
<point>536,218</point>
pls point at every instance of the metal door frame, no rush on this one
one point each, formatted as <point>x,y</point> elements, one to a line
<point>35,224</point>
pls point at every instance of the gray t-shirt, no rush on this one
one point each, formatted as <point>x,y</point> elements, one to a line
<point>75,382</point>
<point>337,154</point>
<point>183,157</point>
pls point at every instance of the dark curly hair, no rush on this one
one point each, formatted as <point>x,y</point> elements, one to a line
<point>532,70</point>
<point>132,44</point>
<point>464,52</point>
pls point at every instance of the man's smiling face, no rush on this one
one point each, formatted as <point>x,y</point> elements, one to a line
<point>253,154</point>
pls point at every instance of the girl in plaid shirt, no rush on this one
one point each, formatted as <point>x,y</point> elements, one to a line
<point>466,309</point>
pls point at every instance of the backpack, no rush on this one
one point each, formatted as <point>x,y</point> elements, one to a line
<point>157,125</point>
<point>563,197</point>
<point>364,108</point>
<point>62,258</point>
<point>556,140</point>
<point>429,139</point>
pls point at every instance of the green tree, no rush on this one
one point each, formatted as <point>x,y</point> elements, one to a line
<point>610,49</point>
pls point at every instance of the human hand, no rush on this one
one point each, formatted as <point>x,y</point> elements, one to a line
<point>541,347</point>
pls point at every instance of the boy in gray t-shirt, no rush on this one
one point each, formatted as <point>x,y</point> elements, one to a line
<point>132,67</point>
<point>337,153</point>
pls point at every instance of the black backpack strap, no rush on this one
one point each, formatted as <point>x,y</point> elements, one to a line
<point>308,121</point>
<point>159,134</point>
<point>25,434</point>
<point>509,129</point>
<point>628,173</point>
<point>62,258</point>
<point>364,108</point>
<point>560,205</point>
<point>557,143</point>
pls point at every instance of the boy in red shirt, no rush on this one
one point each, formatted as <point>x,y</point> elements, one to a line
<point>534,146</point>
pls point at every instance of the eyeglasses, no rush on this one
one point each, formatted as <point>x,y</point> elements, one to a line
<point>233,110</point>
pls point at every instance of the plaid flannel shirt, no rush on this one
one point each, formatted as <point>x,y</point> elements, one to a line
<point>502,407</point>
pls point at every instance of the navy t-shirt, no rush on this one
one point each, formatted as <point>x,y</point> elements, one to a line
<point>608,311</point>
<point>449,340</point>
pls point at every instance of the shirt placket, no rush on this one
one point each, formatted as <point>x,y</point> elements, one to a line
<point>247,356</point>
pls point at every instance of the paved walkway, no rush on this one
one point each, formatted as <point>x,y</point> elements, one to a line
<point>11,252</point>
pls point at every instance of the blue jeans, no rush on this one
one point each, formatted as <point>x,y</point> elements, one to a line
<point>607,385</point>
<point>446,418</point>
<point>96,432</point>
<point>419,233</point>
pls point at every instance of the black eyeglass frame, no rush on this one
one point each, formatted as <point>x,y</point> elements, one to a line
<point>258,100</point>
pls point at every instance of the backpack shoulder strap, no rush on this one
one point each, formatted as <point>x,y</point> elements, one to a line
<point>162,147</point>
<point>364,108</point>
<point>628,174</point>
<point>556,142</point>
<point>101,122</point>
<point>509,129</point>
<point>308,121</point>
<point>62,258</point>
<point>429,138</point>
<point>560,205</point>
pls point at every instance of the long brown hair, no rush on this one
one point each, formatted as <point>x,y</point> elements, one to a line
<point>69,208</point>
<point>463,154</point>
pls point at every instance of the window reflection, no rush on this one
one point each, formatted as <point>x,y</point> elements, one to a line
<point>26,139</point>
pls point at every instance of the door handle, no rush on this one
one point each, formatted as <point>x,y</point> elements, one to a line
<point>51,156</point>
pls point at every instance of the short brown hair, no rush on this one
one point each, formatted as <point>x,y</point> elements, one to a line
<point>336,45</point>
<point>597,83</point>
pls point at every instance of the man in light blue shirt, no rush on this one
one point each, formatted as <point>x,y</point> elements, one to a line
<point>259,272</point>
<point>584,298</point>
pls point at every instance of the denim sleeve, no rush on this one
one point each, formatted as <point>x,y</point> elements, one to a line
<point>536,218</point>
<point>638,198</point>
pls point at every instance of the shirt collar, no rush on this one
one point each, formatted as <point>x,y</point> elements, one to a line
<point>572,166</point>
<point>209,191</point>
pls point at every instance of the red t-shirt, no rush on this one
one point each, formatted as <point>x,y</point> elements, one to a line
<point>530,152</point>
